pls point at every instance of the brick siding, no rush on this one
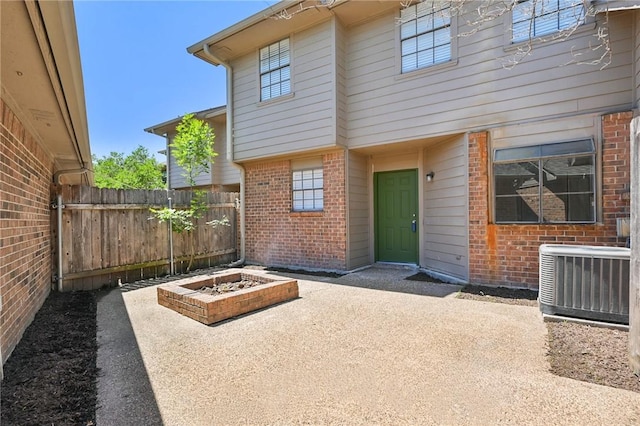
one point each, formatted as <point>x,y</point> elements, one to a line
<point>277,236</point>
<point>25,229</point>
<point>508,254</point>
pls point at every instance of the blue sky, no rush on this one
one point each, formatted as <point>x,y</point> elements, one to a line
<point>137,71</point>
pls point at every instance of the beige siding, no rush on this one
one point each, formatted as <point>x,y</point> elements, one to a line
<point>478,91</point>
<point>297,122</point>
<point>341,85</point>
<point>359,217</point>
<point>558,130</point>
<point>224,173</point>
<point>445,209</point>
<point>637,59</point>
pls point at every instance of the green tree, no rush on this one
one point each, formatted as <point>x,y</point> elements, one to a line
<point>192,148</point>
<point>138,170</point>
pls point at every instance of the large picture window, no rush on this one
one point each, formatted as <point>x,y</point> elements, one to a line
<point>308,190</point>
<point>552,183</point>
<point>275,70</point>
<point>425,35</point>
<point>537,18</point>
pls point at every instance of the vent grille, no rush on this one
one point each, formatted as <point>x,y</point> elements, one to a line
<point>585,284</point>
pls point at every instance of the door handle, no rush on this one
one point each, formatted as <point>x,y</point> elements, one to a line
<point>414,225</point>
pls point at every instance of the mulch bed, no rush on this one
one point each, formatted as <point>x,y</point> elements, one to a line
<point>511,296</point>
<point>576,351</point>
<point>51,376</point>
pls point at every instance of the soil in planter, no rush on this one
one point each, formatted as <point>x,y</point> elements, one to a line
<point>224,288</point>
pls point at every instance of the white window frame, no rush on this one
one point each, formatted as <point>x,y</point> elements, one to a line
<point>536,154</point>
<point>411,16</point>
<point>274,69</point>
<point>563,12</point>
<point>307,190</point>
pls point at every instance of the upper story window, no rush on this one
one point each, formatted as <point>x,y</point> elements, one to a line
<point>308,190</point>
<point>536,18</point>
<point>275,71</point>
<point>425,35</point>
<point>551,183</point>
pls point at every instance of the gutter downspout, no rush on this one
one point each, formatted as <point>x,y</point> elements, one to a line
<point>59,206</point>
<point>227,66</point>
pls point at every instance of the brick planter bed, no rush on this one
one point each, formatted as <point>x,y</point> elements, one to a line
<point>183,296</point>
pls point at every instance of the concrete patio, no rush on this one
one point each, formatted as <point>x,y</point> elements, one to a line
<point>347,351</point>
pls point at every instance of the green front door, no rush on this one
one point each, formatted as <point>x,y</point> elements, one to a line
<point>396,211</point>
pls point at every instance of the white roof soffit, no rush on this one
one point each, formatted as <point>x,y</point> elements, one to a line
<point>281,20</point>
<point>42,80</point>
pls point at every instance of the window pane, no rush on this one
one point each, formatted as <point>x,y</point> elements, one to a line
<point>442,54</point>
<point>442,37</point>
<point>265,93</point>
<point>408,29</point>
<point>264,65</point>
<point>285,73</point>
<point>440,20</point>
<point>566,184</point>
<point>285,87</point>
<point>425,41</point>
<point>409,46</point>
<point>568,207</point>
<point>521,31</point>
<point>517,192</point>
<point>548,17</point>
<point>409,62</point>
<point>574,147</point>
<point>408,13</point>
<point>517,209</point>
<point>520,153</point>
<point>424,24</point>
<point>546,24</point>
<point>420,40</point>
<point>274,69</point>
<point>265,79</point>
<point>307,189</point>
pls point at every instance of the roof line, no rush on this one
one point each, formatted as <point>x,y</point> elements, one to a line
<point>244,24</point>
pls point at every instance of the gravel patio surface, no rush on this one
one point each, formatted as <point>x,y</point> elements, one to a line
<point>344,352</point>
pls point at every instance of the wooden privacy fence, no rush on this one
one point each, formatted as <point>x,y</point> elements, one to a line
<point>110,236</point>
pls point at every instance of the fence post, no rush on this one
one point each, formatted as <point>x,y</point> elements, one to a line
<point>172,269</point>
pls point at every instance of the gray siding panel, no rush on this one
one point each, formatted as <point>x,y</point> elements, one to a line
<point>445,209</point>
<point>300,121</point>
<point>477,91</point>
<point>359,217</point>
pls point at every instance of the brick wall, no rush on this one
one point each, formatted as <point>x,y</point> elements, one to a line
<point>508,254</point>
<point>276,236</point>
<point>25,231</point>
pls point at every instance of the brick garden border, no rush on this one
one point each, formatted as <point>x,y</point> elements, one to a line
<point>183,296</point>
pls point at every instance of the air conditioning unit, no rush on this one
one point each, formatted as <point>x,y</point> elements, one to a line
<point>589,282</point>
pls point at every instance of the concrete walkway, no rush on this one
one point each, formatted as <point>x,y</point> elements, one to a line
<point>345,352</point>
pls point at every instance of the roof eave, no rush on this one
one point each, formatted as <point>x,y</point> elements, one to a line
<point>242,25</point>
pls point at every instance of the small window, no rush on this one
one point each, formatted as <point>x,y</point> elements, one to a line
<point>308,190</point>
<point>537,18</point>
<point>552,183</point>
<point>425,35</point>
<point>275,70</point>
